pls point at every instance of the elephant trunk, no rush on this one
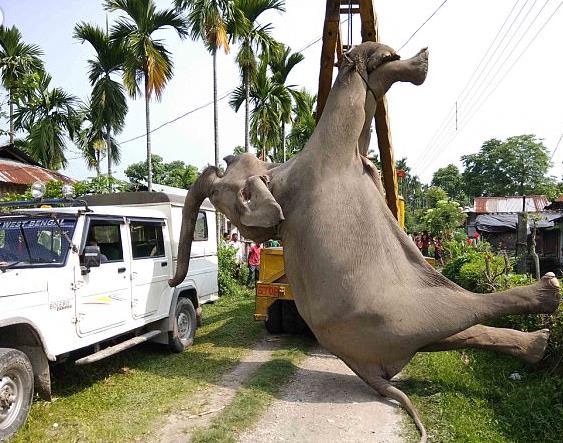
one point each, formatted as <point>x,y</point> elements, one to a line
<point>197,193</point>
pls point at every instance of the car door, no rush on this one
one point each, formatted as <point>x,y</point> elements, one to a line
<point>150,266</point>
<point>103,295</point>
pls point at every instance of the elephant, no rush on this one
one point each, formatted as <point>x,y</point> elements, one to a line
<point>359,281</point>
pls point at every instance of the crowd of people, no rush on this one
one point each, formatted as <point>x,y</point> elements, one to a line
<point>427,243</point>
<point>246,253</point>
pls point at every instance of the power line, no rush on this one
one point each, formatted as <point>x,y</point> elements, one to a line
<point>556,146</point>
<point>191,111</point>
<point>436,139</point>
<point>488,68</point>
<point>422,25</point>
<point>507,71</point>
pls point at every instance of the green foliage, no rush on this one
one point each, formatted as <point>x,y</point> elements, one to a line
<point>176,173</point>
<point>433,195</point>
<point>226,256</point>
<point>512,167</point>
<point>444,218</point>
<point>449,179</point>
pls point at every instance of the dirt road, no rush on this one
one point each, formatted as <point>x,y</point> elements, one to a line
<point>327,402</point>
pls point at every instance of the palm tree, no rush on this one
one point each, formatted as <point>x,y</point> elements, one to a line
<point>108,105</point>
<point>281,62</point>
<point>270,102</point>
<point>146,60</point>
<point>253,38</point>
<point>49,116</point>
<point>208,20</point>
<point>17,61</point>
<point>92,140</point>
<point>303,122</point>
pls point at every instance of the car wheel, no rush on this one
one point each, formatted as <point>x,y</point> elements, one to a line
<point>16,391</point>
<point>274,323</point>
<point>185,324</point>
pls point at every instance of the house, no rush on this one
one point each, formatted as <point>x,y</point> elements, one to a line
<point>18,170</point>
<point>496,219</point>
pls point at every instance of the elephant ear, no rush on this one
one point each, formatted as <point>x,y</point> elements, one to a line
<point>257,204</point>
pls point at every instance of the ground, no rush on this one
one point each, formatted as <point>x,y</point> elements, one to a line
<point>326,401</point>
<point>323,401</point>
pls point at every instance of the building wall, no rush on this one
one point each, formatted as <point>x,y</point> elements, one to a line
<point>12,188</point>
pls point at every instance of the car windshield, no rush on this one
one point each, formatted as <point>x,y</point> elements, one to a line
<point>32,241</point>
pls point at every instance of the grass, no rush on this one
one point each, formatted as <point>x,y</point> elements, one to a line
<point>469,397</point>
<point>122,397</point>
<point>256,395</point>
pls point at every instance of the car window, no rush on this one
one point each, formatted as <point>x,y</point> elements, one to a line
<point>146,239</point>
<point>200,233</point>
<point>107,236</point>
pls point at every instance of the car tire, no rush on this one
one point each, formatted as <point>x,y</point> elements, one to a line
<point>292,322</point>
<point>185,324</point>
<point>274,323</point>
<point>16,391</point>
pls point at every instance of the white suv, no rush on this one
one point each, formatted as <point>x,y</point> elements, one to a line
<point>72,278</point>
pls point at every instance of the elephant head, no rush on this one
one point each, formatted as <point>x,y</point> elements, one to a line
<point>241,193</point>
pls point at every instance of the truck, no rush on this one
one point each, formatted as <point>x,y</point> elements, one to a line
<point>85,280</point>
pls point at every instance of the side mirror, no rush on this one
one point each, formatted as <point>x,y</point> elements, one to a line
<point>91,257</point>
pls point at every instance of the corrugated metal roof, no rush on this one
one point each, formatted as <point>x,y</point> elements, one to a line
<point>22,174</point>
<point>534,203</point>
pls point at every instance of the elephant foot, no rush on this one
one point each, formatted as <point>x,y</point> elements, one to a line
<point>536,347</point>
<point>547,294</point>
<point>540,298</point>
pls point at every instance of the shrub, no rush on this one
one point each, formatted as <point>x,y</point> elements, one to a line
<point>226,256</point>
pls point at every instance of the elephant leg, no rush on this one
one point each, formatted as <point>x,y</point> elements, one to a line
<point>529,346</point>
<point>375,375</point>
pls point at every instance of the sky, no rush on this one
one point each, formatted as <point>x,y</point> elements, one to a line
<point>504,87</point>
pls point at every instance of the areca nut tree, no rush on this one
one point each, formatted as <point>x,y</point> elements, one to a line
<point>303,123</point>
<point>208,20</point>
<point>92,140</point>
<point>108,103</point>
<point>270,102</point>
<point>17,61</point>
<point>147,60</point>
<point>253,38</point>
<point>281,62</point>
<point>49,116</point>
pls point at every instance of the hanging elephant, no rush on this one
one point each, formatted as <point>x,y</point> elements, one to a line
<point>359,282</point>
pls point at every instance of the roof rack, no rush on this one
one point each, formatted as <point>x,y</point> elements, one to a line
<point>65,202</point>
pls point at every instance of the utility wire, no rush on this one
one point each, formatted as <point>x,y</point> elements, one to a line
<point>430,157</point>
<point>556,146</point>
<point>422,25</point>
<point>433,144</point>
<point>504,76</point>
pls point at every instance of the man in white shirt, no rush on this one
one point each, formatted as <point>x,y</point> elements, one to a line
<point>238,246</point>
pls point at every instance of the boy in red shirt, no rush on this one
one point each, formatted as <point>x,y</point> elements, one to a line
<point>253,264</point>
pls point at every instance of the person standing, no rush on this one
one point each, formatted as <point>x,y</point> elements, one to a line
<point>438,251</point>
<point>425,243</point>
<point>237,245</point>
<point>253,264</point>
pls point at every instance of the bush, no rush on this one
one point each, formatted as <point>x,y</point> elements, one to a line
<point>228,268</point>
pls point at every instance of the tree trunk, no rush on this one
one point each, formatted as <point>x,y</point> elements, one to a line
<point>109,149</point>
<point>11,117</point>
<point>216,131</point>
<point>98,154</point>
<point>283,140</point>
<point>149,153</point>
<point>521,242</point>
<point>533,252</point>
<point>246,113</point>
<point>215,111</point>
